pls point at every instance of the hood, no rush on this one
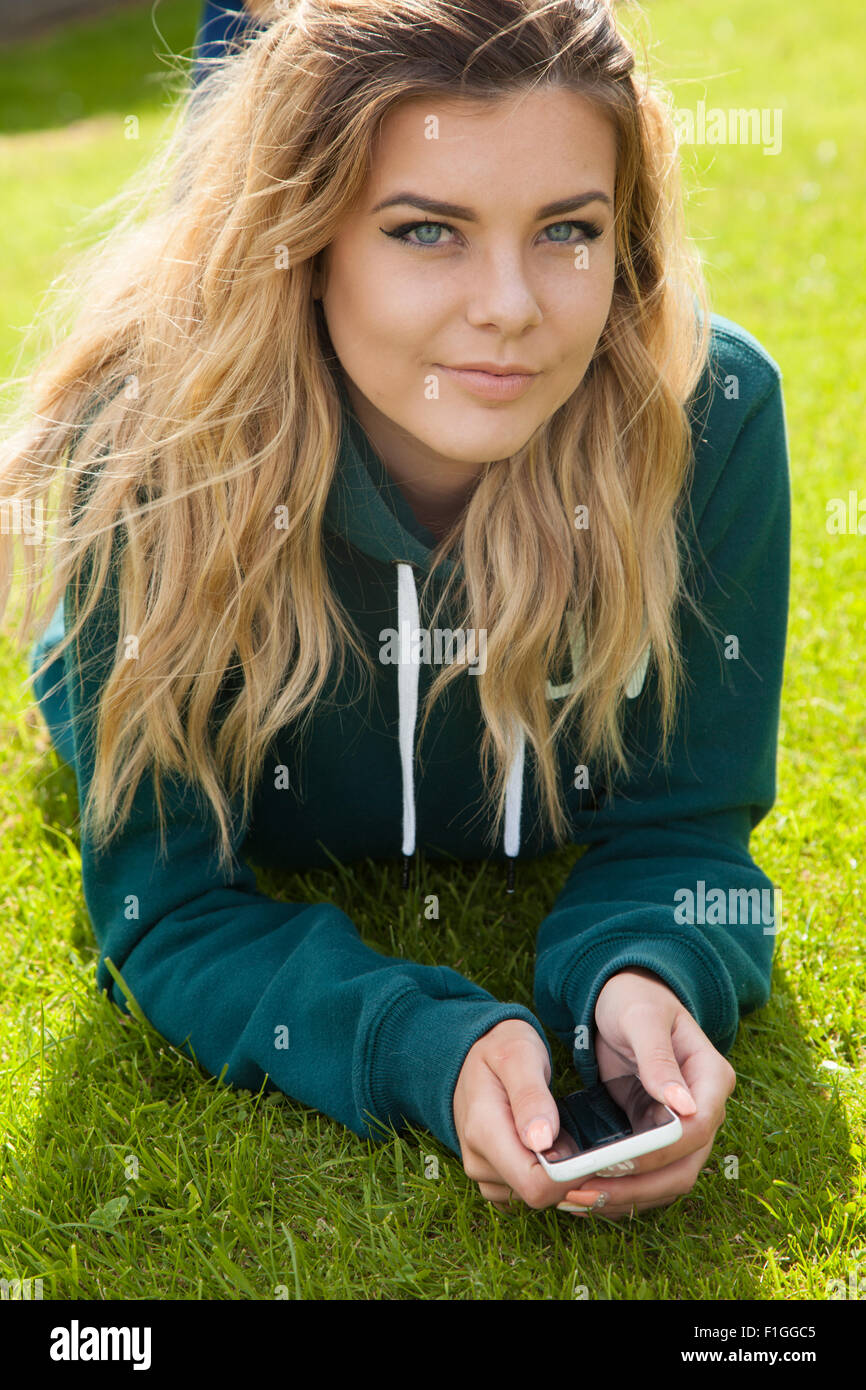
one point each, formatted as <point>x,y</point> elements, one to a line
<point>367,508</point>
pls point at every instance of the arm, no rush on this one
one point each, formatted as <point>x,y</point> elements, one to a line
<point>618,907</point>
<point>219,968</point>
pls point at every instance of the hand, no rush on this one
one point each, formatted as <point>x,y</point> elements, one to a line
<point>642,1023</point>
<point>502,1104</point>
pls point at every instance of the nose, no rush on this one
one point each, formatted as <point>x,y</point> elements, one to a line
<point>502,296</point>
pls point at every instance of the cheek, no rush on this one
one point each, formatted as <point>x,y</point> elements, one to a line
<point>385,315</point>
<point>582,307</point>
<point>594,284</point>
<point>408,310</point>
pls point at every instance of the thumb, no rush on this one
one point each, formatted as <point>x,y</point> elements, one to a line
<point>541,1125</point>
<point>657,1067</point>
<point>536,1117</point>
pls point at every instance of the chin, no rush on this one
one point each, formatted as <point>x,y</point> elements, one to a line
<point>464,452</point>
<point>484,442</point>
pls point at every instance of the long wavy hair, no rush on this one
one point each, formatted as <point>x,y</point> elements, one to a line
<point>219,411</point>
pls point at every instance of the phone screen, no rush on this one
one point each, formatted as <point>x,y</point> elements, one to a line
<point>604,1113</point>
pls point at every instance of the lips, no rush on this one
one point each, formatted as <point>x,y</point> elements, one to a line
<point>492,369</point>
<point>493,386</point>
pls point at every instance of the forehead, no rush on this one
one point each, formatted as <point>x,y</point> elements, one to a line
<point>531,134</point>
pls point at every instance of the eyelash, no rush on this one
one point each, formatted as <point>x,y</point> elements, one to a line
<point>590,229</point>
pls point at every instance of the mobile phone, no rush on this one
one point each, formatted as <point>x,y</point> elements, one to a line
<point>607,1124</point>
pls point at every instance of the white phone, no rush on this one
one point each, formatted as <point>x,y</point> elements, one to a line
<point>606,1127</point>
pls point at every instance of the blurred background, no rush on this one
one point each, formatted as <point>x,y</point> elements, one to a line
<point>30,17</point>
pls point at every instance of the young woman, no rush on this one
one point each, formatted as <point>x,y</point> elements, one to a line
<point>410,354</point>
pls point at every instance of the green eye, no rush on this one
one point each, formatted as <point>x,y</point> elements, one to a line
<point>401,233</point>
<point>431,226</point>
<point>590,231</point>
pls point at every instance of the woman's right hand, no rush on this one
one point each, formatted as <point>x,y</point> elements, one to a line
<point>502,1102</point>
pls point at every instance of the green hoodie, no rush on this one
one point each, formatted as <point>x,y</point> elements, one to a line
<point>287,994</point>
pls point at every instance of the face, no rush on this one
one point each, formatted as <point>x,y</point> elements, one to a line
<point>498,281</point>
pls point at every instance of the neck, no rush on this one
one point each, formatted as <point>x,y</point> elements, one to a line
<point>437,489</point>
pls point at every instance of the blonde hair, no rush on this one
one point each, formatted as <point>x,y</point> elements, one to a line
<point>218,408</point>
<point>264,9</point>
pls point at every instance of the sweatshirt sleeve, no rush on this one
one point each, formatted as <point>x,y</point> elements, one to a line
<point>641,895</point>
<point>260,988</point>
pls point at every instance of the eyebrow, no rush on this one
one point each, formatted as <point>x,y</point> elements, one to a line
<point>418,200</point>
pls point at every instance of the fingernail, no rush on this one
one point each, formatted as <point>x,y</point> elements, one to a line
<point>539,1135</point>
<point>570,1206</point>
<point>676,1095</point>
<point>592,1200</point>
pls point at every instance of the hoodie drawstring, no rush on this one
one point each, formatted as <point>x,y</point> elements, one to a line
<point>408,674</point>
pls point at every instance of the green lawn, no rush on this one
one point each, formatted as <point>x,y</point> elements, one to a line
<point>125,1172</point>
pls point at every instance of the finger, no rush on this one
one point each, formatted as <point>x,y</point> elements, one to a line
<point>523,1069</point>
<point>496,1193</point>
<point>711,1080</point>
<point>513,1165</point>
<point>692,1043</point>
<point>626,1213</point>
<point>491,1117</point>
<point>649,1035</point>
<point>673,1181</point>
<point>708,1083</point>
<point>479,1170</point>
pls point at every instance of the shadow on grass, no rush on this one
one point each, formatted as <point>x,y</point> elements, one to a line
<point>781,1202</point>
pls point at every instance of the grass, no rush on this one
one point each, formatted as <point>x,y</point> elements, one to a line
<point>126,1172</point>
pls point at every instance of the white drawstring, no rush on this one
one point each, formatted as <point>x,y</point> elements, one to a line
<point>577,644</point>
<point>408,675</point>
<point>408,622</point>
<point>514,797</point>
<point>635,682</point>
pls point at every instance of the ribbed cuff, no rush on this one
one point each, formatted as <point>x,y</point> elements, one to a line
<point>418,1052</point>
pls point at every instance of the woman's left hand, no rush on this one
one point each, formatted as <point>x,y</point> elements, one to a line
<point>643,1025</point>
